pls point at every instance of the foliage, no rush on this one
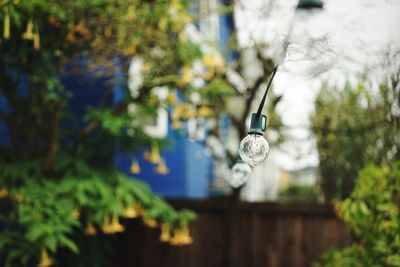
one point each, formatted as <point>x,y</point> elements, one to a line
<point>299,192</point>
<point>46,213</point>
<point>355,126</point>
<point>57,174</point>
<point>373,214</point>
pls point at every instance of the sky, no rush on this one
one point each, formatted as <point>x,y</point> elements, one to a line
<point>335,44</point>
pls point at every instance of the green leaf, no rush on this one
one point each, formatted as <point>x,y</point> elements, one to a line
<point>65,241</point>
<point>51,243</point>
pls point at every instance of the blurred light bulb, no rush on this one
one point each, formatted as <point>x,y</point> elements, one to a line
<point>240,174</point>
<point>253,149</point>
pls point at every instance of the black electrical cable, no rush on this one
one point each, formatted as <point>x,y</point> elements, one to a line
<point>261,106</point>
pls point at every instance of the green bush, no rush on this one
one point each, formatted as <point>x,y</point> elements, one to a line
<point>42,217</point>
<point>355,126</point>
<point>299,192</point>
<point>372,213</point>
<point>58,185</point>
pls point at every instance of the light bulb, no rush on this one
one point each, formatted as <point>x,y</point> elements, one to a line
<point>240,174</point>
<point>253,149</point>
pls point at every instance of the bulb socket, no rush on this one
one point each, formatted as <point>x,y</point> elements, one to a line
<point>258,123</point>
<point>310,4</point>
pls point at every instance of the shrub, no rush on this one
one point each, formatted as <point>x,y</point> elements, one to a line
<point>372,213</point>
<point>299,192</point>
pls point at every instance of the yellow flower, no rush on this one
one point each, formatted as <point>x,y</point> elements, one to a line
<point>3,192</point>
<point>208,75</point>
<point>181,236</point>
<point>45,261</point>
<point>205,111</point>
<point>162,168</point>
<point>78,31</point>
<point>53,21</point>
<point>146,67</point>
<point>165,233</point>
<point>74,214</point>
<point>163,24</point>
<point>182,37</point>
<point>172,98</point>
<point>113,226</point>
<point>176,124</point>
<point>139,209</point>
<point>131,13</point>
<point>183,112</point>
<point>6,25</point>
<point>175,4</point>
<point>213,61</point>
<point>149,222</point>
<point>70,37</point>
<point>90,229</point>
<point>154,155</point>
<point>28,34</point>
<point>81,29</point>
<point>131,212</point>
<point>135,168</point>
<point>186,76</point>
<point>36,41</point>
<point>18,197</point>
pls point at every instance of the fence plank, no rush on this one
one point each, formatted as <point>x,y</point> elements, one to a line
<point>265,235</point>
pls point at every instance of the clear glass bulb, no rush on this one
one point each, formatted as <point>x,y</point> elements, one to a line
<point>253,149</point>
<point>240,174</point>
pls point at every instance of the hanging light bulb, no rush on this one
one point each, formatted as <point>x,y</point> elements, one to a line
<point>254,149</point>
<point>240,174</point>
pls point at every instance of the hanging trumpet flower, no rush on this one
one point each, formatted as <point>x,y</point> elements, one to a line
<point>112,226</point>
<point>205,111</point>
<point>181,236</point>
<point>186,76</point>
<point>214,62</point>
<point>165,235</point>
<point>75,214</point>
<point>90,229</point>
<point>149,222</point>
<point>131,211</point>
<point>135,167</point>
<point>154,155</point>
<point>36,40</point>
<point>53,21</point>
<point>6,23</point>
<point>28,34</point>
<point>162,168</point>
<point>18,197</point>
<point>181,112</point>
<point>45,260</point>
<point>3,192</point>
<point>172,98</point>
<point>78,31</point>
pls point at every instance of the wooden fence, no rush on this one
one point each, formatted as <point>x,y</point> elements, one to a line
<point>262,234</point>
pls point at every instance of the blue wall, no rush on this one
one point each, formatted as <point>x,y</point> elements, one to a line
<point>189,166</point>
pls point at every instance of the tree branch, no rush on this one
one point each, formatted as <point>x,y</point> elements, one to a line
<point>54,137</point>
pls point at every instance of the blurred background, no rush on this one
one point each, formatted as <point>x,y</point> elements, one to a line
<point>120,124</point>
